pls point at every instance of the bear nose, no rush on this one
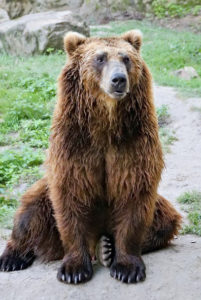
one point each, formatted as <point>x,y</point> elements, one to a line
<point>118,82</point>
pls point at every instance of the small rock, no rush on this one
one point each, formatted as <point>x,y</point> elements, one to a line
<point>186,73</point>
<point>3,15</point>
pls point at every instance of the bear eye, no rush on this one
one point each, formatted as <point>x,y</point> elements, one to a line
<point>126,59</point>
<point>101,58</point>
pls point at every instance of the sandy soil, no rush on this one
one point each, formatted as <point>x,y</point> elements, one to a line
<point>173,273</point>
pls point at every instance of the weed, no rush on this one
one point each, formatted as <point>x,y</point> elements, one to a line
<point>13,162</point>
<point>5,140</point>
<point>167,138</point>
<point>35,132</point>
<point>192,204</point>
<point>44,85</point>
<point>163,115</point>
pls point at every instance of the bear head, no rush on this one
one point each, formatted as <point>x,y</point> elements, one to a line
<point>108,67</point>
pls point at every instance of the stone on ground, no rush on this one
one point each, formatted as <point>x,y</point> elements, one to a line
<point>186,73</point>
<point>35,33</point>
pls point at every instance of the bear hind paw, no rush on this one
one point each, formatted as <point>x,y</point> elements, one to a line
<point>106,251</point>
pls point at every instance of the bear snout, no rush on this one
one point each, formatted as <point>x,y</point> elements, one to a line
<point>118,83</point>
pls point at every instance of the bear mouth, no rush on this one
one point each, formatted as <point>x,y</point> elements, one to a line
<point>118,94</point>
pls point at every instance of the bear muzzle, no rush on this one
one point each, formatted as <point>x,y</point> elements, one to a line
<point>118,85</point>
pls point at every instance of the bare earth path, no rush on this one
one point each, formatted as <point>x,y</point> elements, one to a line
<point>173,273</point>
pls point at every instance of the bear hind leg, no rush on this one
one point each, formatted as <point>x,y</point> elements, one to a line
<point>34,233</point>
<point>166,224</point>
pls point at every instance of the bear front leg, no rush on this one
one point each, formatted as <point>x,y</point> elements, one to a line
<point>74,204</point>
<point>76,266</point>
<point>75,190</point>
<point>130,224</point>
<point>72,221</point>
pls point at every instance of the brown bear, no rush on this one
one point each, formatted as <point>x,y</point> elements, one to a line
<point>103,168</point>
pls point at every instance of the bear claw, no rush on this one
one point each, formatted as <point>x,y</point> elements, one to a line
<point>130,273</point>
<point>71,272</point>
<point>12,261</point>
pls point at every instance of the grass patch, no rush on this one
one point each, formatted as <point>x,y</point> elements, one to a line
<point>16,167</point>
<point>7,209</point>
<point>32,79</point>
<point>14,162</point>
<point>163,115</point>
<point>27,96</point>
<point>167,136</point>
<point>35,132</point>
<point>5,140</point>
<point>192,205</point>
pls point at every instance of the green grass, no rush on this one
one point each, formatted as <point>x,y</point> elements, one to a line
<point>7,209</point>
<point>29,78</point>
<point>14,162</point>
<point>192,205</point>
<point>16,167</point>
<point>27,97</point>
<point>35,132</point>
<point>163,115</point>
<point>167,136</point>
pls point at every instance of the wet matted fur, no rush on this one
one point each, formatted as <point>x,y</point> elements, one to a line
<point>103,169</point>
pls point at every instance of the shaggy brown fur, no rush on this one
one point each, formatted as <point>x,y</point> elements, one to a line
<point>103,170</point>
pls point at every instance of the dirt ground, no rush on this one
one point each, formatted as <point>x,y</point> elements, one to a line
<point>173,273</point>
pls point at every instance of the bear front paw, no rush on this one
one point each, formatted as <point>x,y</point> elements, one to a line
<point>130,272</point>
<point>74,272</point>
<point>12,261</point>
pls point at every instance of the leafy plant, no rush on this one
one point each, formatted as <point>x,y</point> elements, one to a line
<point>5,140</point>
<point>13,162</point>
<point>167,138</point>
<point>35,132</point>
<point>44,85</point>
<point>50,50</point>
<point>192,204</point>
<point>8,206</point>
<point>163,115</point>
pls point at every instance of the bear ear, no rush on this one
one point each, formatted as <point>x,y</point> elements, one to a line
<point>133,37</point>
<point>72,40</point>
